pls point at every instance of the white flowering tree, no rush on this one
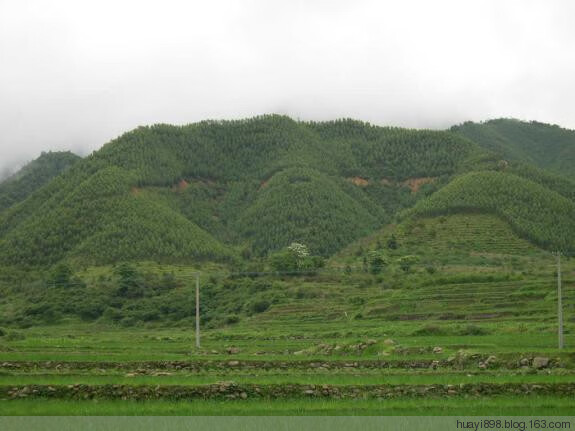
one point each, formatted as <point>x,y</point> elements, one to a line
<point>295,258</point>
<point>300,250</point>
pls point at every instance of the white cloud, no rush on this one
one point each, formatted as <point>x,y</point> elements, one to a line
<point>75,74</point>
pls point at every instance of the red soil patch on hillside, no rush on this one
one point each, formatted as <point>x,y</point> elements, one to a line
<point>358,181</point>
<point>415,183</point>
<point>183,185</point>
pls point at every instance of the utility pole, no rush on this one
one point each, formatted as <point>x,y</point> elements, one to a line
<point>559,301</point>
<point>197,310</point>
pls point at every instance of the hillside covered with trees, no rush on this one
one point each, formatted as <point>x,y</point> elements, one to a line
<point>537,213</point>
<point>227,190</point>
<point>543,145</point>
<point>33,176</point>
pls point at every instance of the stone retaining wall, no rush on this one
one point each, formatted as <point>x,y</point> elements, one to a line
<point>255,364</point>
<point>231,390</point>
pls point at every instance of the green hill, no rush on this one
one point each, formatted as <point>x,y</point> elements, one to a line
<point>310,207</point>
<point>464,241</point>
<point>537,213</point>
<point>546,146</point>
<point>34,175</point>
<point>213,189</point>
<point>198,191</point>
<point>103,220</point>
<point>560,184</point>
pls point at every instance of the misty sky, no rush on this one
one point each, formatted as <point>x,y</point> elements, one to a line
<point>76,73</point>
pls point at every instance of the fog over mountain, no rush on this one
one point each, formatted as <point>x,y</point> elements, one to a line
<point>76,74</point>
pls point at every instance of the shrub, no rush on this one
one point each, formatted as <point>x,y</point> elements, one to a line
<point>232,319</point>
<point>376,262</point>
<point>44,312</point>
<point>148,315</point>
<point>392,243</point>
<point>307,293</point>
<point>406,262</point>
<point>357,300</point>
<point>474,330</point>
<point>14,336</point>
<point>260,286</point>
<point>429,330</point>
<point>61,276</point>
<point>295,259</point>
<point>128,321</point>
<point>431,269</point>
<point>112,314</point>
<point>90,311</point>
<point>129,284</point>
<point>260,306</point>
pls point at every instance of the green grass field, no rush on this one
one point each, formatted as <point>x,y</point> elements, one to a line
<point>487,406</point>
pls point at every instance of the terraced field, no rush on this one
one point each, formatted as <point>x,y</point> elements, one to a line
<point>427,375</point>
<point>451,351</point>
<point>478,335</point>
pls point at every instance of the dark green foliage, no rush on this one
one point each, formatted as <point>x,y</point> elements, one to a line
<point>430,269</point>
<point>232,319</point>
<point>128,297</point>
<point>34,175</point>
<point>429,329</point>
<point>14,336</point>
<point>42,312</point>
<point>295,259</point>
<point>181,193</point>
<point>546,146</point>
<point>260,306</point>
<point>101,221</point>
<point>112,314</point>
<point>217,189</point>
<point>406,262</point>
<point>474,330</point>
<point>284,261</point>
<point>376,261</point>
<point>560,184</point>
<point>129,283</point>
<point>392,153</point>
<point>535,212</point>
<point>304,205</point>
<point>61,276</point>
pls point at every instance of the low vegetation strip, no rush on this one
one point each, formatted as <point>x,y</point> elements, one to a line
<point>231,390</point>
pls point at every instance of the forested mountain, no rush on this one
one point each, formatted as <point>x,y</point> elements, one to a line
<point>255,185</point>
<point>537,213</point>
<point>218,190</point>
<point>33,176</point>
<point>546,146</point>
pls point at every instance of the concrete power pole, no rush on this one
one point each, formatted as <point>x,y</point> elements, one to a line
<point>559,301</point>
<point>197,310</point>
